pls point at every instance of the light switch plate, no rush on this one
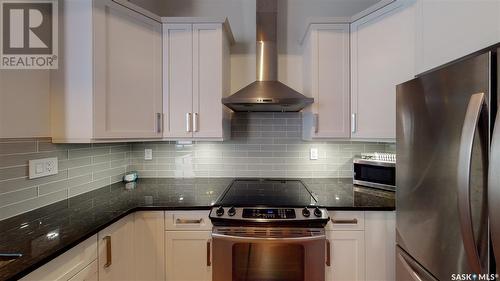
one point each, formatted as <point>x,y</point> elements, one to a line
<point>314,154</point>
<point>148,154</point>
<point>43,167</point>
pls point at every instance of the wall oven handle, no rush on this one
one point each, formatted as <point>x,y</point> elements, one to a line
<point>209,255</point>
<point>472,118</point>
<point>494,188</point>
<point>267,239</point>
<point>328,252</point>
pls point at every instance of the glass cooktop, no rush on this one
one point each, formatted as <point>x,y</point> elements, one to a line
<point>267,192</point>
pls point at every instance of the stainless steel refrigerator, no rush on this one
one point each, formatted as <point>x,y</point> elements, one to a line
<point>448,171</point>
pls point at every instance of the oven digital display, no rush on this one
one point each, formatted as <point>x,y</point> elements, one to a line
<point>269,213</point>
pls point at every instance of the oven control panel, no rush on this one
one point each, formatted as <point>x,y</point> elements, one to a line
<point>269,213</point>
<point>272,214</point>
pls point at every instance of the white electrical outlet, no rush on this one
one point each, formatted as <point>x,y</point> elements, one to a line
<point>148,154</point>
<point>314,154</point>
<point>42,167</point>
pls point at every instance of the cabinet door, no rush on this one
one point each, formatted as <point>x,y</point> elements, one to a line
<point>207,80</point>
<point>348,256</point>
<point>186,255</point>
<point>329,74</point>
<point>116,251</point>
<point>380,242</point>
<point>149,254</point>
<point>178,80</point>
<point>89,273</point>
<point>127,73</point>
<point>382,56</point>
<point>69,264</point>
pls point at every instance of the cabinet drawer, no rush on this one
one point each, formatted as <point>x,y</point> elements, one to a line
<point>187,220</point>
<point>89,273</point>
<point>346,220</point>
<point>67,265</point>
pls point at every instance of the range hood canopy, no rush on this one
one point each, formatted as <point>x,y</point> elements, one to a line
<point>267,94</point>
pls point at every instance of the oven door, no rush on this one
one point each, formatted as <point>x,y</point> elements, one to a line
<point>268,254</point>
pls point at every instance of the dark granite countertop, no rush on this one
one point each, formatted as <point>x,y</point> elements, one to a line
<point>43,234</point>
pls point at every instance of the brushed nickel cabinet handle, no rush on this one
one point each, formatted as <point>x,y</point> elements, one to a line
<point>316,123</point>
<point>209,258</point>
<point>353,123</point>
<point>108,251</point>
<point>188,221</point>
<point>188,122</point>
<point>345,221</point>
<point>159,125</point>
<point>195,122</point>
<point>328,256</point>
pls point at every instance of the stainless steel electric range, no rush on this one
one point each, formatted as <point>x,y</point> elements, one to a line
<point>269,230</point>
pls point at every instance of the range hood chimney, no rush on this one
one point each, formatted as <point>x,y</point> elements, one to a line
<point>267,94</point>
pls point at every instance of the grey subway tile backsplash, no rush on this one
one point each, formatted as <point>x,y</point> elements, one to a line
<point>82,167</point>
<point>262,145</point>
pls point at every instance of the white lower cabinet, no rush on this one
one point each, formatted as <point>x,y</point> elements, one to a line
<point>380,246</point>
<point>188,246</point>
<point>348,256</point>
<point>149,244</point>
<point>362,246</point>
<point>187,258</point>
<point>116,251</point>
<point>78,263</point>
<point>89,273</point>
<point>132,248</point>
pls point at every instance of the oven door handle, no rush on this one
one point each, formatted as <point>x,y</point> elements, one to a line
<point>267,239</point>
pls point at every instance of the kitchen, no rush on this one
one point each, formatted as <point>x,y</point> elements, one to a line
<point>247,140</point>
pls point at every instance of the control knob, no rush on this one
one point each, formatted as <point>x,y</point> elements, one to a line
<point>231,212</point>
<point>317,212</point>
<point>220,211</point>
<point>305,212</point>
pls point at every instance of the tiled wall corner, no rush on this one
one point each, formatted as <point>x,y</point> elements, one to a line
<point>82,167</point>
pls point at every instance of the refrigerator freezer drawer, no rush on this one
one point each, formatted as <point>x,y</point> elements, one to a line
<point>407,269</point>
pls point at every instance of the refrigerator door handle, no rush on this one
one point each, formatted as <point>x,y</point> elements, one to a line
<point>472,117</point>
<point>494,189</point>
<point>413,269</point>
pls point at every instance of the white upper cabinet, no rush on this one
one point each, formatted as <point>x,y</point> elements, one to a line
<point>447,30</point>
<point>108,85</point>
<point>326,79</point>
<point>127,73</point>
<point>196,77</point>
<point>382,56</point>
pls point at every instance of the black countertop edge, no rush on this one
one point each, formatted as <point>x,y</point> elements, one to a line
<point>85,236</point>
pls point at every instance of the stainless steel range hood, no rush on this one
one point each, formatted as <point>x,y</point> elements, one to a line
<point>267,94</point>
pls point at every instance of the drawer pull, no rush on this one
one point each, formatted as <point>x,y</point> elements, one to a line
<point>188,221</point>
<point>209,258</point>
<point>108,251</point>
<point>342,221</point>
<point>328,257</point>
